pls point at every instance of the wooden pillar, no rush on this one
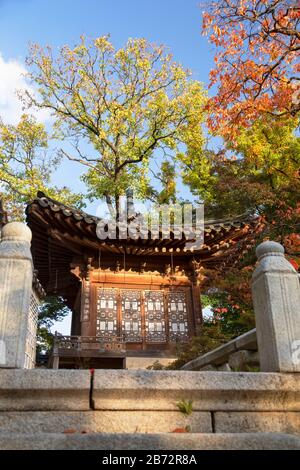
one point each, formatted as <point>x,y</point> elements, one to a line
<point>197,307</point>
<point>195,278</point>
<point>86,301</point>
<point>75,325</point>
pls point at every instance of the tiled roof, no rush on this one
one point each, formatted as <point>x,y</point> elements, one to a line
<point>217,225</point>
<point>62,236</point>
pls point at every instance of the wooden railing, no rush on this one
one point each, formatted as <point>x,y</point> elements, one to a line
<point>85,343</point>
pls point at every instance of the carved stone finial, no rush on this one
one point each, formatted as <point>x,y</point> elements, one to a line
<point>15,241</point>
<point>269,248</point>
<point>16,231</point>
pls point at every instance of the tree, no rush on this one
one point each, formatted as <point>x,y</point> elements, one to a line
<point>257,72</point>
<point>126,105</point>
<point>258,174</point>
<point>26,166</point>
<point>230,299</point>
<point>209,336</point>
<point>167,177</point>
<point>53,309</point>
<point>268,173</point>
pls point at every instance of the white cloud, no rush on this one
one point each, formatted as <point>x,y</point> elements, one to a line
<point>12,78</point>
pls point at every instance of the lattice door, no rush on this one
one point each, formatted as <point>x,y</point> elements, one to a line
<point>131,315</point>
<point>178,317</point>
<point>155,317</point>
<point>107,317</point>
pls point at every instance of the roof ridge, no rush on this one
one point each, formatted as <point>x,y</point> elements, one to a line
<point>41,196</point>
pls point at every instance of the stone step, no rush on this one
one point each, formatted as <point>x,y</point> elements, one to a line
<point>145,402</point>
<point>209,391</point>
<point>163,441</point>
<point>71,390</point>
<point>124,421</point>
<point>104,421</point>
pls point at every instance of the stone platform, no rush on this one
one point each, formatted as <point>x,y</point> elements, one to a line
<point>119,409</point>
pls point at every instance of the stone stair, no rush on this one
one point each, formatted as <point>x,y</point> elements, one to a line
<point>158,441</point>
<point>137,409</point>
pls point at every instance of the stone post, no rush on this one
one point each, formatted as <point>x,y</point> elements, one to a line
<point>16,272</point>
<point>276,298</point>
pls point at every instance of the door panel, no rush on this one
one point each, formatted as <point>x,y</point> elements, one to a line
<point>178,316</point>
<point>155,323</point>
<point>107,317</point>
<point>139,315</point>
<point>131,315</point>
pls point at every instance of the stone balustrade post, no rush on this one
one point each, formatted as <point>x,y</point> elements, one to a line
<point>16,273</point>
<point>276,298</point>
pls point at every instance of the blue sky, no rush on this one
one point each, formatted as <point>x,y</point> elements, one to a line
<point>175,23</point>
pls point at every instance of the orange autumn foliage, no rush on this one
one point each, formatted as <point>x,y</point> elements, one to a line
<point>256,62</point>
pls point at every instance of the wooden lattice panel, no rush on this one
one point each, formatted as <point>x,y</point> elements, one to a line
<point>131,315</point>
<point>107,317</point>
<point>30,347</point>
<point>155,322</point>
<point>178,317</point>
